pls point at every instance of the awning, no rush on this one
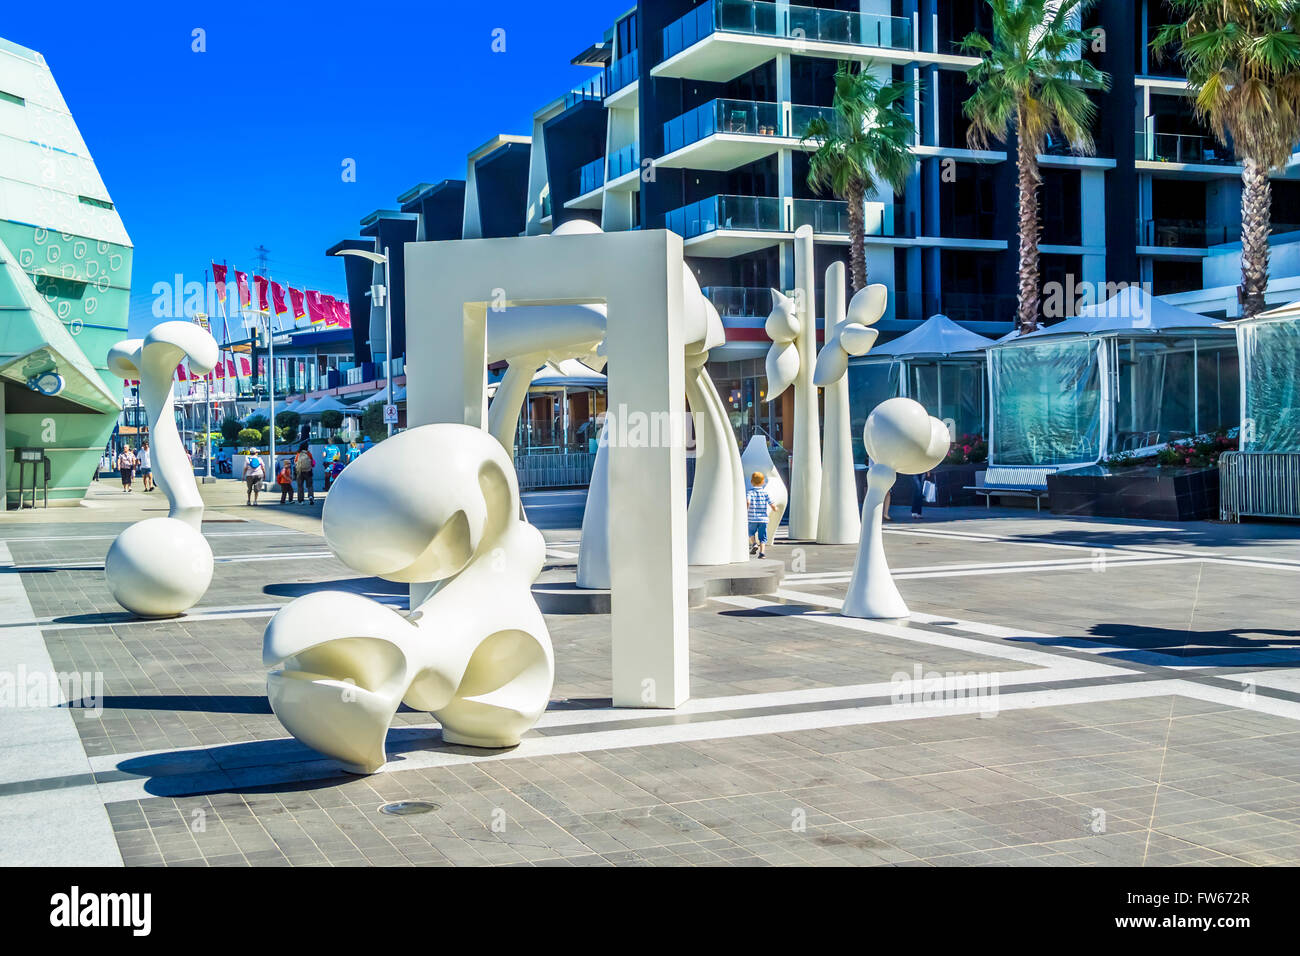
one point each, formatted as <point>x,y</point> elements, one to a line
<point>938,336</point>
<point>34,344</point>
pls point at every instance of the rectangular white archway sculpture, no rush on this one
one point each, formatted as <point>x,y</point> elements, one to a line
<point>451,285</point>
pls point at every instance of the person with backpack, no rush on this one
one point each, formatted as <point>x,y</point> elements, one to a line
<point>254,472</point>
<point>304,463</point>
<point>284,478</point>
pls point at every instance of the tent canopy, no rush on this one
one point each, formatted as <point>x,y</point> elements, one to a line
<point>936,337</point>
<point>1131,310</point>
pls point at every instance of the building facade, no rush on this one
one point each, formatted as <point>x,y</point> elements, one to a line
<point>692,121</point>
<point>65,278</point>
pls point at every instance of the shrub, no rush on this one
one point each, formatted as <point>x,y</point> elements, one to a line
<point>250,437</point>
<point>230,428</point>
<point>288,420</point>
<point>331,420</point>
<point>257,422</point>
<point>372,421</point>
<point>968,450</point>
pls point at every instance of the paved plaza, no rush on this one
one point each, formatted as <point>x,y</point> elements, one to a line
<point>1067,692</point>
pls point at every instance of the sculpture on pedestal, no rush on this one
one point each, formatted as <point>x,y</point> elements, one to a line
<point>900,438</point>
<point>848,333</point>
<point>161,567</point>
<point>476,653</point>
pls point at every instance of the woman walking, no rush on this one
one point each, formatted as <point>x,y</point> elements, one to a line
<point>126,467</point>
<point>254,472</point>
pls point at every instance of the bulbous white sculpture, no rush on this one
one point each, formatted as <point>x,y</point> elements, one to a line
<point>900,437</point>
<point>438,503</point>
<point>716,531</point>
<point>758,458</point>
<point>161,567</point>
<point>848,334</point>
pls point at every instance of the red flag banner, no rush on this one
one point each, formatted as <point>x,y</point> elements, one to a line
<point>245,366</point>
<point>326,309</point>
<point>241,280</point>
<point>315,308</point>
<point>345,316</point>
<point>180,373</point>
<point>259,283</point>
<point>230,368</point>
<point>277,298</point>
<point>219,276</point>
<point>296,297</point>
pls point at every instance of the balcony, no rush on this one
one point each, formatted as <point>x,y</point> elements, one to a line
<point>1193,236</point>
<point>723,134</point>
<point>622,73</point>
<point>716,40</point>
<point>623,162</point>
<point>733,301</point>
<point>722,226</point>
<point>1182,149</point>
<point>593,89</point>
<point>585,183</point>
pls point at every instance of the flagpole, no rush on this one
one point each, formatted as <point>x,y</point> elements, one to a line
<point>207,438</point>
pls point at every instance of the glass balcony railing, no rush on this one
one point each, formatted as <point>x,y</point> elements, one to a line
<point>830,217</point>
<point>1195,233</point>
<point>797,23</point>
<point>1183,148</point>
<point>801,116</point>
<point>622,72</point>
<point>733,301</point>
<point>741,117</point>
<point>593,89</point>
<point>588,177</point>
<point>755,213</point>
<point>623,161</point>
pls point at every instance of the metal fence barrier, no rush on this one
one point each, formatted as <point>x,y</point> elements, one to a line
<point>1259,484</point>
<point>554,470</point>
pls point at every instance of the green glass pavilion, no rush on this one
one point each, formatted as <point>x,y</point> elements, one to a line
<point>65,278</point>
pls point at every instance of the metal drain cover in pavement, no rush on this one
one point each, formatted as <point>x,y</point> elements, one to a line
<point>407,807</point>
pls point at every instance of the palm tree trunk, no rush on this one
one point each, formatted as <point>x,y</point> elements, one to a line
<point>1256,200</point>
<point>1028,179</point>
<point>857,238</point>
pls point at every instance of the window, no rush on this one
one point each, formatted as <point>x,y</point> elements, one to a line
<point>12,98</point>
<point>92,201</point>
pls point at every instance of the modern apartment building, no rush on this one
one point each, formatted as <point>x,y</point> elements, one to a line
<point>692,121</point>
<point>65,277</point>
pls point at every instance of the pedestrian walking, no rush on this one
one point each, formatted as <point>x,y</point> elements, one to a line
<point>304,463</point>
<point>126,463</point>
<point>759,508</point>
<point>254,473</point>
<point>918,492</point>
<point>284,478</point>
<point>146,467</point>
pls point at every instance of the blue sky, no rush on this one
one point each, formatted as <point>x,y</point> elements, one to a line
<point>207,155</point>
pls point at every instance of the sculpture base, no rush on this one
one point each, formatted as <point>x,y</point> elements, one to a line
<point>556,590</point>
<point>483,743</point>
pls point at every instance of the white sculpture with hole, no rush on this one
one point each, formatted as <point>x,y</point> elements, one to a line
<point>757,457</point>
<point>849,333</point>
<point>439,505</point>
<point>161,567</point>
<point>900,438</point>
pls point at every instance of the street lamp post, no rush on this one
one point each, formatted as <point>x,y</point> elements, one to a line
<point>201,319</point>
<point>381,258</point>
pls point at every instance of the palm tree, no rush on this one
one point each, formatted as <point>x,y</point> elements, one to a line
<point>1031,78</point>
<point>863,143</point>
<point>1242,60</point>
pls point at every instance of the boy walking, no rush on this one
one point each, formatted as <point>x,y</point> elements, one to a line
<point>759,507</point>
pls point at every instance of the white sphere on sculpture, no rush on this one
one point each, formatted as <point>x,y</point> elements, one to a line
<point>159,567</point>
<point>900,433</point>
<point>576,227</point>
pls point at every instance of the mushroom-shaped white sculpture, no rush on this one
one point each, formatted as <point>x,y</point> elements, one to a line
<point>900,437</point>
<point>476,653</point>
<point>758,458</point>
<point>161,567</point>
<point>847,335</point>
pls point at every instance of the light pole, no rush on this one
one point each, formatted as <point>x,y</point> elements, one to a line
<point>381,258</point>
<point>201,319</point>
<point>269,471</point>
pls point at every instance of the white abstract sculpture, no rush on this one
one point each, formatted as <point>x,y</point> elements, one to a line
<point>847,334</point>
<point>593,550</point>
<point>161,567</point>
<point>437,503</point>
<point>900,438</point>
<point>792,326</point>
<point>758,458</point>
<point>716,531</point>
